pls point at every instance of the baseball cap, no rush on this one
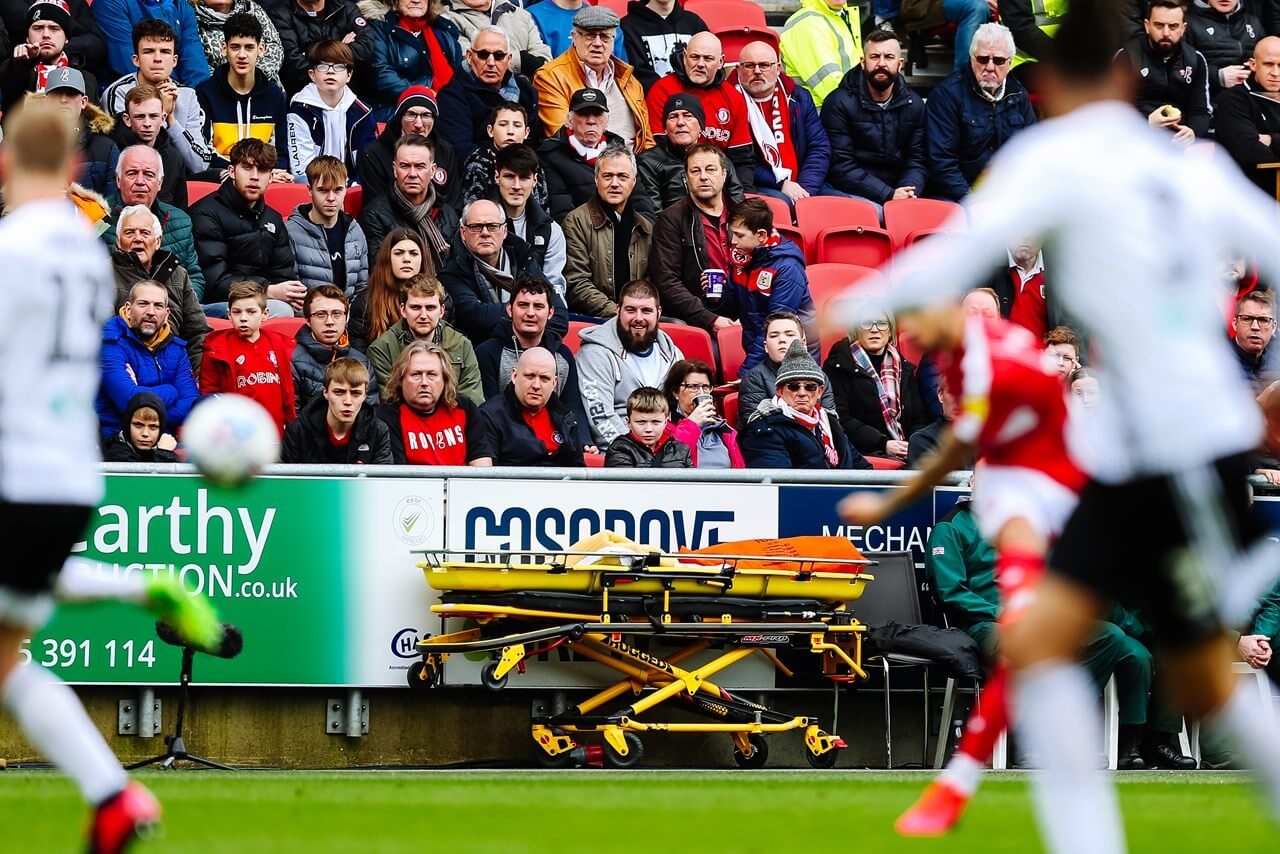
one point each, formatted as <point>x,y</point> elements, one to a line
<point>65,78</point>
<point>588,99</point>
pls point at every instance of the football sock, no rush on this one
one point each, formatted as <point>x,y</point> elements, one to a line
<point>1248,725</point>
<point>1018,573</point>
<point>1059,722</point>
<point>987,720</point>
<point>51,717</point>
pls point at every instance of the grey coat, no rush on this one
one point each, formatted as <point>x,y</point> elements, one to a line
<point>311,251</point>
<point>607,376</point>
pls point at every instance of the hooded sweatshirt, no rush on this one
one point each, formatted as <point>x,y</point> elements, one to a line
<point>119,447</point>
<point>315,128</point>
<point>230,117</point>
<point>608,373</point>
<point>187,134</point>
<point>651,38</point>
<point>260,370</point>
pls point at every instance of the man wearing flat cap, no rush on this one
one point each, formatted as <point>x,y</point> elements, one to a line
<point>589,63</point>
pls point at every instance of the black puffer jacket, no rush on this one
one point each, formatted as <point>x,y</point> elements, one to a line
<point>660,181</point>
<point>237,242</point>
<point>858,403</point>
<point>626,452</point>
<point>306,440</point>
<point>874,148</point>
<point>309,360</point>
<point>383,214</point>
<point>1241,115</point>
<point>1223,39</point>
<point>571,179</point>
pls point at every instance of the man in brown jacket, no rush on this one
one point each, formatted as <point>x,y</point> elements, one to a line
<point>606,239</point>
<point>589,62</point>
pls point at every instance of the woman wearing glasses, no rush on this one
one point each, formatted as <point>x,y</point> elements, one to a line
<point>713,444</point>
<point>792,430</point>
<point>876,391</point>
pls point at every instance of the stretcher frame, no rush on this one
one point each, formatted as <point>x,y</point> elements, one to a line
<point>515,633</point>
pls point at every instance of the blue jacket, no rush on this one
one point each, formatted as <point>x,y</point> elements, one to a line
<point>813,148</point>
<point>165,373</point>
<point>117,17</point>
<point>401,59</point>
<point>771,440</point>
<point>875,149</point>
<point>963,129</point>
<point>773,280</point>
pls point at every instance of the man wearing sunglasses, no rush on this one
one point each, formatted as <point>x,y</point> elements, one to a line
<point>1172,82</point>
<point>972,113</point>
<point>792,430</point>
<point>485,81</point>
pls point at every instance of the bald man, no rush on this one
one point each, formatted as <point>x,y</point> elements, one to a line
<point>699,71</point>
<point>528,425</point>
<point>792,151</point>
<point>1247,117</point>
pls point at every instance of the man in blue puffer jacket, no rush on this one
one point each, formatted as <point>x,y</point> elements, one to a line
<point>972,113</point>
<point>117,17</point>
<point>768,276</point>
<point>141,353</point>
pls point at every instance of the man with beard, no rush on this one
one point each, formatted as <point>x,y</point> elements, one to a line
<point>617,358</point>
<point>141,353</point>
<point>876,125</point>
<point>972,113</point>
<point>1173,77</point>
<point>45,48</point>
<point>527,424</point>
<point>792,149</point>
<point>692,237</point>
<point>430,423</point>
<point>699,71</point>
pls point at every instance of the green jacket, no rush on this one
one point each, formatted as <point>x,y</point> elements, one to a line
<point>389,345</point>
<point>175,237</point>
<point>1268,620</point>
<point>963,568</point>
<point>820,46</point>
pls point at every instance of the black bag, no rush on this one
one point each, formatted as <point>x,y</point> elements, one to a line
<point>951,649</point>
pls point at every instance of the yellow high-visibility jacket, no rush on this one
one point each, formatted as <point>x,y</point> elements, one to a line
<point>819,46</point>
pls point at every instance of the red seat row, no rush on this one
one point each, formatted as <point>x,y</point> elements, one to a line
<point>283,198</point>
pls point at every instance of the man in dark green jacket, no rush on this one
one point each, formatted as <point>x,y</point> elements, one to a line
<point>962,566</point>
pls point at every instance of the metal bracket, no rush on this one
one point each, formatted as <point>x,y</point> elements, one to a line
<point>349,717</point>
<point>140,717</point>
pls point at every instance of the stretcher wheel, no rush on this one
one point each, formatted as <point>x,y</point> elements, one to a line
<point>759,752</point>
<point>490,679</point>
<point>635,752</point>
<point>423,675</point>
<point>823,760</point>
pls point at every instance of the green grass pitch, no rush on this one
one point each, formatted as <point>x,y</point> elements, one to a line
<point>603,811</point>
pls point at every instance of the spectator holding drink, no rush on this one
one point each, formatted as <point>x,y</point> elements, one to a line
<point>713,444</point>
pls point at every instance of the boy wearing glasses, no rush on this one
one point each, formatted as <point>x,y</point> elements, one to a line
<point>326,117</point>
<point>322,341</point>
<point>238,102</point>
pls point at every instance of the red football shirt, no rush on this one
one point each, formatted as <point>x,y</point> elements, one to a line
<point>438,439</point>
<point>542,427</point>
<point>1013,409</point>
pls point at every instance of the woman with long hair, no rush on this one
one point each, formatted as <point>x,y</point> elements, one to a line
<point>377,308</point>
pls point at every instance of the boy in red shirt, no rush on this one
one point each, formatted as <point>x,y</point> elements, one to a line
<point>248,359</point>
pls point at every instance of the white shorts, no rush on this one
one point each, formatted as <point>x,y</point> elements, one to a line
<point>1002,493</point>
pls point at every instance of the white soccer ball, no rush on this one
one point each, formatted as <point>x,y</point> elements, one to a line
<point>230,439</point>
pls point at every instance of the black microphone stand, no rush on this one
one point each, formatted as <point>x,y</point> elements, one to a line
<point>176,748</point>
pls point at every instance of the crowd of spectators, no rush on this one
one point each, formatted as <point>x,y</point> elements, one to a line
<point>474,175</point>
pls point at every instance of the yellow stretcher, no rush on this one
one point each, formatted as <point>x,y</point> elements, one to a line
<point>606,604</point>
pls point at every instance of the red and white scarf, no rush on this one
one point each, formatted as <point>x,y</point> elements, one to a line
<point>587,153</point>
<point>776,144</point>
<point>42,71</point>
<point>819,422</point>
<point>741,259</point>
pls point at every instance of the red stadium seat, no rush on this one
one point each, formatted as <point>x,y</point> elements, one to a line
<point>907,347</point>
<point>831,280</point>
<point>863,245</point>
<point>571,338</point>
<point>354,202</point>
<point>197,190</point>
<point>218,323</point>
<point>821,212</point>
<point>903,217</point>
<point>781,210</point>
<point>619,6</point>
<point>285,198</point>
<point>731,409</point>
<point>883,463</point>
<point>734,39</point>
<point>732,355</point>
<point>288,326</point>
<point>793,234</point>
<point>726,14</point>
<point>693,341</point>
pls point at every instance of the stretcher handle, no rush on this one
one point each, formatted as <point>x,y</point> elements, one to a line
<point>654,554</point>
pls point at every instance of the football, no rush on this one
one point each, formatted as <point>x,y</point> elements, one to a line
<point>230,439</point>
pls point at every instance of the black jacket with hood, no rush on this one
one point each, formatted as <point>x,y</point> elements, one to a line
<point>306,439</point>
<point>117,448</point>
<point>650,39</point>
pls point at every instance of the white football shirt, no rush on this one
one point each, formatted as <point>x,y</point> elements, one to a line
<point>56,292</point>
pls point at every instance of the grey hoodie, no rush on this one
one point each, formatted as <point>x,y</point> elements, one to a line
<point>608,373</point>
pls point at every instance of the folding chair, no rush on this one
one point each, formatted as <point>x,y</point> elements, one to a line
<point>572,338</point>
<point>733,39</point>
<point>693,341</point>
<point>864,245</point>
<point>826,286</point>
<point>781,210</point>
<point>818,212</point>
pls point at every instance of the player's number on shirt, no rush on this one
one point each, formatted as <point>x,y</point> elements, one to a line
<point>75,320</point>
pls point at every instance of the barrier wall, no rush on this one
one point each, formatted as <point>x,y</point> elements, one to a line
<point>319,571</point>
